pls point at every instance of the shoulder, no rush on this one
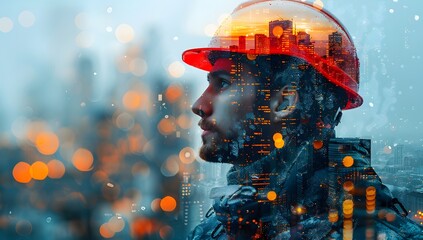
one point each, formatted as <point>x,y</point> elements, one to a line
<point>207,229</point>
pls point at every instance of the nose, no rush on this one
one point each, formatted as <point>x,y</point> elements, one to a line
<point>203,106</point>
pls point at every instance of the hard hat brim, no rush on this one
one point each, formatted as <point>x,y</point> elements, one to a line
<point>199,58</point>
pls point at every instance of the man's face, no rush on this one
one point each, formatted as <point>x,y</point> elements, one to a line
<point>227,111</point>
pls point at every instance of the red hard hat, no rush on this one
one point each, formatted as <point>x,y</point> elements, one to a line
<point>288,27</point>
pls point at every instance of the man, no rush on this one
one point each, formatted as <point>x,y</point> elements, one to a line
<point>280,72</point>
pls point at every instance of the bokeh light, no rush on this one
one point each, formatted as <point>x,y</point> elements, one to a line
<point>47,143</point>
<point>39,170</point>
<point>271,195</point>
<point>187,155</point>
<point>21,172</point>
<point>176,69</point>
<point>168,204</point>
<point>348,161</point>
<point>173,93</point>
<point>134,100</point>
<point>26,19</point>
<point>167,126</point>
<point>6,24</point>
<point>124,33</point>
<point>56,169</point>
<point>83,160</point>
<point>105,231</point>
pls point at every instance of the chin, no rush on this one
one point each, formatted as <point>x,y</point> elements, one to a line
<point>223,153</point>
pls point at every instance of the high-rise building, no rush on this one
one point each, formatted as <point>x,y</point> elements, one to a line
<point>261,43</point>
<point>335,45</point>
<point>242,42</point>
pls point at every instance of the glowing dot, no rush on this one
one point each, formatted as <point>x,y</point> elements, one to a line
<point>277,31</point>
<point>125,121</point>
<point>155,204</point>
<point>116,224</point>
<point>318,4</point>
<point>176,69</point>
<point>134,100</point>
<point>187,155</point>
<point>109,10</point>
<point>416,17</point>
<point>173,93</point>
<point>277,136</point>
<point>348,204</point>
<point>317,144</point>
<point>138,67</point>
<point>21,172</point>
<point>47,143</point>
<point>109,29</point>
<point>48,220</point>
<point>39,170</point>
<point>26,19</point>
<point>184,121</point>
<point>83,160</point>
<point>391,10</point>
<point>348,161</point>
<point>6,25</point>
<point>105,231</point>
<point>371,104</point>
<point>175,38</point>
<point>348,186</point>
<point>166,126</point>
<point>279,143</point>
<point>387,149</point>
<point>390,217</point>
<point>171,167</point>
<point>210,30</point>
<point>124,33</point>
<point>371,191</point>
<point>168,204</point>
<point>271,195</point>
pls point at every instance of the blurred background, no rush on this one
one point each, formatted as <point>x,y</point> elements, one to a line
<point>97,139</point>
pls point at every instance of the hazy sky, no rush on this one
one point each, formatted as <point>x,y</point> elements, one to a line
<point>39,40</point>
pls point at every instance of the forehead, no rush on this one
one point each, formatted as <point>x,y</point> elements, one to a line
<point>223,64</point>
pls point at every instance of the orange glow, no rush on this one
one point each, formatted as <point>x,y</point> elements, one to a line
<point>277,137</point>
<point>370,191</point>
<point>134,100</point>
<point>271,195</point>
<point>173,93</point>
<point>184,121</point>
<point>277,31</point>
<point>333,216</point>
<point>141,227</point>
<point>21,172</point>
<point>105,231</point>
<point>279,143</point>
<point>168,204</point>
<point>155,204</point>
<point>38,170</point>
<point>348,186</point>
<point>56,169</point>
<point>166,126</point>
<point>318,144</point>
<point>390,217</point>
<point>116,224</point>
<point>348,161</point>
<point>187,155</point>
<point>47,143</point>
<point>83,160</point>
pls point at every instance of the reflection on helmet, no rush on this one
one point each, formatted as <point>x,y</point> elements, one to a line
<point>287,27</point>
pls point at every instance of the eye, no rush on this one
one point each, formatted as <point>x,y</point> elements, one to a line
<point>223,83</point>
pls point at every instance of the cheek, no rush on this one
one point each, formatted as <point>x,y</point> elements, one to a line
<point>231,107</point>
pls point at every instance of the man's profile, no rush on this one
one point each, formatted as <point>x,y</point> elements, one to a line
<point>280,74</point>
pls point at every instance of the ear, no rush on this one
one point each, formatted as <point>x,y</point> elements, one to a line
<point>283,103</point>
